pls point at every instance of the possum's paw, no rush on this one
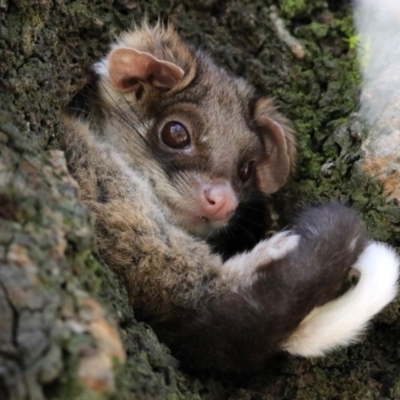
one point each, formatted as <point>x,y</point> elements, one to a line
<point>243,267</point>
<point>275,248</point>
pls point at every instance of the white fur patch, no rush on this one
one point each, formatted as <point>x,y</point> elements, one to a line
<point>101,67</point>
<point>341,321</point>
<point>242,267</point>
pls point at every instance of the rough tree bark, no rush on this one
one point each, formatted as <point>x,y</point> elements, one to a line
<point>62,313</point>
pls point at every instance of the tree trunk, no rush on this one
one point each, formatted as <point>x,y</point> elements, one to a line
<point>63,315</point>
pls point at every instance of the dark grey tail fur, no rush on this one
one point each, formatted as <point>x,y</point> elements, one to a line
<point>238,333</point>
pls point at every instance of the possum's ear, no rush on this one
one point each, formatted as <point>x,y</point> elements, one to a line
<point>278,163</point>
<point>129,67</point>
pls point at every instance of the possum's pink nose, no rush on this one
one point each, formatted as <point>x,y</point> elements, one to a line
<point>218,201</point>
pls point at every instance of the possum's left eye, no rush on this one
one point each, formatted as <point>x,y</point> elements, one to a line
<point>246,171</point>
<point>175,135</point>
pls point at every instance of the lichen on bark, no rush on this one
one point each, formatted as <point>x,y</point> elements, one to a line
<point>51,280</point>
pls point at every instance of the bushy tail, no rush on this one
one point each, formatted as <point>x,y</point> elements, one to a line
<point>341,321</point>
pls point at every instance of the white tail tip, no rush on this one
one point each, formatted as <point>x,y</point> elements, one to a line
<point>341,321</point>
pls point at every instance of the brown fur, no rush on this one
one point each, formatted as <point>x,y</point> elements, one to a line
<point>228,122</point>
<point>135,186</point>
<point>161,266</point>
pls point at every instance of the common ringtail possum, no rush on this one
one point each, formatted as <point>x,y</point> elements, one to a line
<point>168,149</point>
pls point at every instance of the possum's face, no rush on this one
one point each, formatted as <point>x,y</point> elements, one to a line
<point>203,139</point>
<point>208,154</point>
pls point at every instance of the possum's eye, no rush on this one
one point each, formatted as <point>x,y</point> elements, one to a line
<point>175,135</point>
<point>246,171</point>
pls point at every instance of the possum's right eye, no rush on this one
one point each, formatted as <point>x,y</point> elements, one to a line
<point>175,135</point>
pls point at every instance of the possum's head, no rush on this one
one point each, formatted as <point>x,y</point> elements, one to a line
<point>205,140</point>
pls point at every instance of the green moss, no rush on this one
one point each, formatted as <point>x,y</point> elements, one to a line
<point>319,30</point>
<point>294,7</point>
<point>300,8</point>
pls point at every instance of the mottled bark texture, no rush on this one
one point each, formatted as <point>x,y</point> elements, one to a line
<point>379,51</point>
<point>56,342</point>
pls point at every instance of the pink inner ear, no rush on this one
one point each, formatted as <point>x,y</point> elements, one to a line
<point>128,67</point>
<point>274,172</point>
